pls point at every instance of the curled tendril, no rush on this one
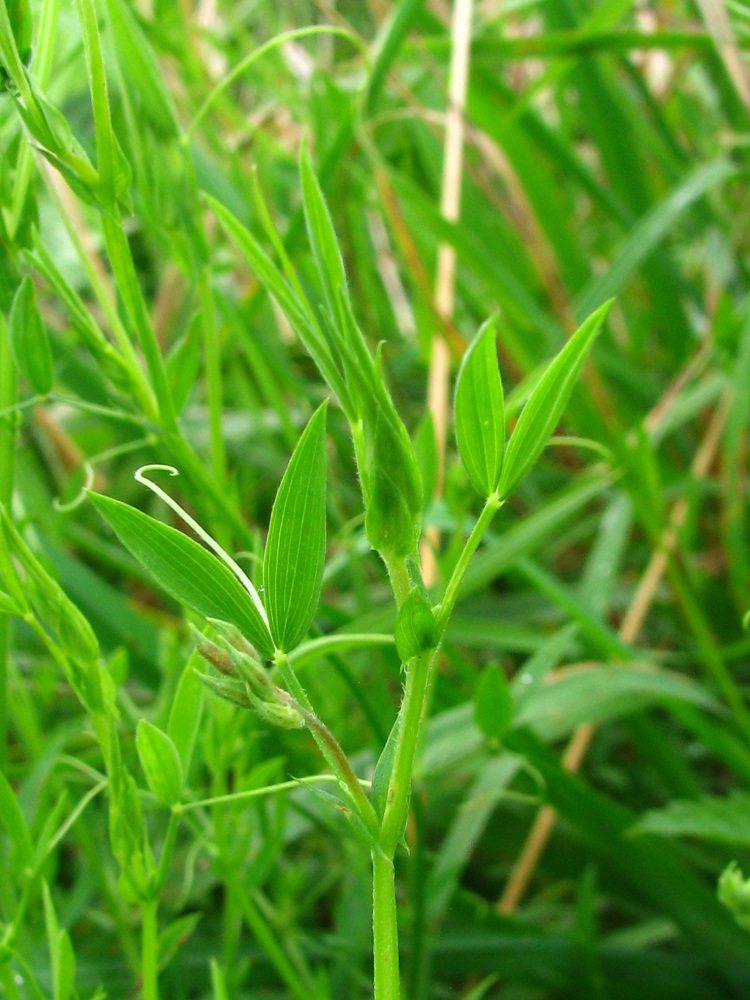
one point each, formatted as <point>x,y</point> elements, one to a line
<point>88,468</point>
<point>78,499</point>
<point>140,477</point>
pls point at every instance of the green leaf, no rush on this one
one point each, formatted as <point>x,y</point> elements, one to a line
<point>478,410</point>
<point>15,823</point>
<point>160,762</point>
<point>185,714</point>
<point>322,236</point>
<point>596,694</point>
<point>295,550</point>
<point>726,820</point>
<point>547,402</point>
<point>416,629</point>
<point>493,703</point>
<point>218,983</point>
<point>185,569</point>
<point>28,339</point>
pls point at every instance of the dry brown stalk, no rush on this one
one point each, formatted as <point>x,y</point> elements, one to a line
<point>450,200</point>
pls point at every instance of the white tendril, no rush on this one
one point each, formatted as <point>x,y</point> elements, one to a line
<point>200,532</point>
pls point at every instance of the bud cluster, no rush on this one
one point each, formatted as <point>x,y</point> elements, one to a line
<point>243,679</point>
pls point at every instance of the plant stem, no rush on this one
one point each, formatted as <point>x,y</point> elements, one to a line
<point>409,723</point>
<point>168,846</point>
<point>150,950</point>
<point>339,762</point>
<point>8,424</point>
<point>384,928</point>
<point>491,507</point>
<point>212,357</point>
<point>418,671</point>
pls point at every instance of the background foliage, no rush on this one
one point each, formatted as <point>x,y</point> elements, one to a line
<point>606,154</point>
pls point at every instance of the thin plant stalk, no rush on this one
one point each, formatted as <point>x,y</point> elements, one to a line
<point>8,424</point>
<point>150,950</point>
<point>418,672</point>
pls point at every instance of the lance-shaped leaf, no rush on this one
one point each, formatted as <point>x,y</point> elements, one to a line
<point>295,550</point>
<point>546,403</point>
<point>493,702</point>
<point>28,339</point>
<point>479,412</point>
<point>185,569</point>
<point>160,762</point>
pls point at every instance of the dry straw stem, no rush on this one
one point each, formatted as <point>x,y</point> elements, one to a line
<point>635,616</point>
<point>445,283</point>
<point>714,13</point>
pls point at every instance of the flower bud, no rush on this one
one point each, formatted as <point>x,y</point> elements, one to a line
<point>391,484</point>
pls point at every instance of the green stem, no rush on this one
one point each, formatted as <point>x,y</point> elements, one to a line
<point>327,742</point>
<point>384,928</point>
<point>8,424</point>
<point>339,762</point>
<point>409,723</point>
<point>45,48</point>
<point>212,355</point>
<point>491,507</point>
<point>168,846</point>
<point>418,671</point>
<point>150,949</point>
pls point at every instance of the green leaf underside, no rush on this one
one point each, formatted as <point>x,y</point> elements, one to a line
<point>185,569</point>
<point>546,403</point>
<point>295,549</point>
<point>478,410</point>
<point>725,820</point>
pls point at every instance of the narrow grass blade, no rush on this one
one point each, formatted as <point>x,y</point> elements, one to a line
<point>725,820</point>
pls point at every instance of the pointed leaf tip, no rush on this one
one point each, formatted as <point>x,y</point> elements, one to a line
<point>547,401</point>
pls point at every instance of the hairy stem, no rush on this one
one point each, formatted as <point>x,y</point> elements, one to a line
<point>384,927</point>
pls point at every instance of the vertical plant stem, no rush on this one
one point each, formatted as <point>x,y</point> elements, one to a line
<point>212,355</point>
<point>8,423</point>
<point>150,949</point>
<point>385,929</point>
<point>492,505</point>
<point>168,846</point>
<point>418,672</point>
